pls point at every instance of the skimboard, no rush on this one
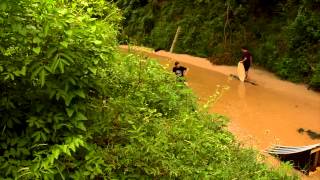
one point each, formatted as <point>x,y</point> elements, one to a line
<point>246,81</point>
<point>241,72</point>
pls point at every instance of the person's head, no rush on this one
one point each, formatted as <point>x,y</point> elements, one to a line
<point>244,49</point>
<point>176,64</point>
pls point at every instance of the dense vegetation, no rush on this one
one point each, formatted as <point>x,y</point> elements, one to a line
<point>284,36</point>
<point>72,107</point>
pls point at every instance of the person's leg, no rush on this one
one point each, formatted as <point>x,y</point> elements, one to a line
<point>247,75</point>
<point>246,68</point>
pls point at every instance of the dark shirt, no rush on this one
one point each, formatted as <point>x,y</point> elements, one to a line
<point>179,71</point>
<point>246,56</point>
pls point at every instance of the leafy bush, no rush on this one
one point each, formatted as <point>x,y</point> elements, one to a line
<point>52,72</point>
<point>315,80</point>
<point>72,107</point>
<point>293,69</point>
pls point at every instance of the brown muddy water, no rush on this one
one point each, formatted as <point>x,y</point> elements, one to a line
<point>271,112</point>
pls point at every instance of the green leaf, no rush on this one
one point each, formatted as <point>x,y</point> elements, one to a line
<point>81,126</point>
<point>52,93</point>
<point>37,136</point>
<point>4,165</point>
<point>42,77</point>
<point>44,137</point>
<point>16,27</point>
<point>36,40</point>
<point>23,70</point>
<point>68,99</point>
<point>72,147</point>
<point>51,51</point>
<point>31,27</point>
<point>97,42</point>
<point>49,69</point>
<point>56,153</point>
<point>23,31</point>
<point>46,30</point>
<point>80,117</point>
<point>55,64</point>
<point>61,66</point>
<point>73,82</point>
<point>70,111</point>
<point>20,72</point>
<point>93,70</point>
<point>69,58</point>
<point>8,170</point>
<point>68,152</point>
<point>6,77</point>
<point>3,5</point>
<point>36,50</point>
<point>80,93</point>
<point>68,32</point>
<point>95,61</point>
<point>66,87</point>
<point>65,62</point>
<point>64,44</point>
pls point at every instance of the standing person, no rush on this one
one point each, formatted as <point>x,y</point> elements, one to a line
<point>246,60</point>
<point>179,70</point>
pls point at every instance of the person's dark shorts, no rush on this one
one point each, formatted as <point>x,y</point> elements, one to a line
<point>246,66</point>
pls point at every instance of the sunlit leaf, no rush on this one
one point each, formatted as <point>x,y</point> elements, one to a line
<point>93,70</point>
<point>64,44</point>
<point>43,74</point>
<point>36,50</point>
<point>97,42</point>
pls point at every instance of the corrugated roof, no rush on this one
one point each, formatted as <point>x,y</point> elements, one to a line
<point>282,150</point>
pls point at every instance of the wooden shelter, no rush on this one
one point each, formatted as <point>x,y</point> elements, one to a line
<point>304,158</point>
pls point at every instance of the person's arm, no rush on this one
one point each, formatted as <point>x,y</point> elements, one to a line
<point>243,60</point>
<point>251,60</point>
<point>186,69</point>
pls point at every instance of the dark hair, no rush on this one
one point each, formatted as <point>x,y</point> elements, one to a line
<point>176,63</point>
<point>244,47</point>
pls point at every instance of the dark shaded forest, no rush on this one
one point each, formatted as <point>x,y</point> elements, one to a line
<point>283,36</point>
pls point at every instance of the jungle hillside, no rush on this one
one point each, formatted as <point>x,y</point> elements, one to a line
<point>283,35</point>
<point>73,107</point>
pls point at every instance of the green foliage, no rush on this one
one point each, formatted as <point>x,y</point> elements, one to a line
<point>274,31</point>
<point>53,55</point>
<point>71,107</point>
<point>315,80</point>
<point>293,69</point>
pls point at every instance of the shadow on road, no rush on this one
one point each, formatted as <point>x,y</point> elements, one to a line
<point>310,133</point>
